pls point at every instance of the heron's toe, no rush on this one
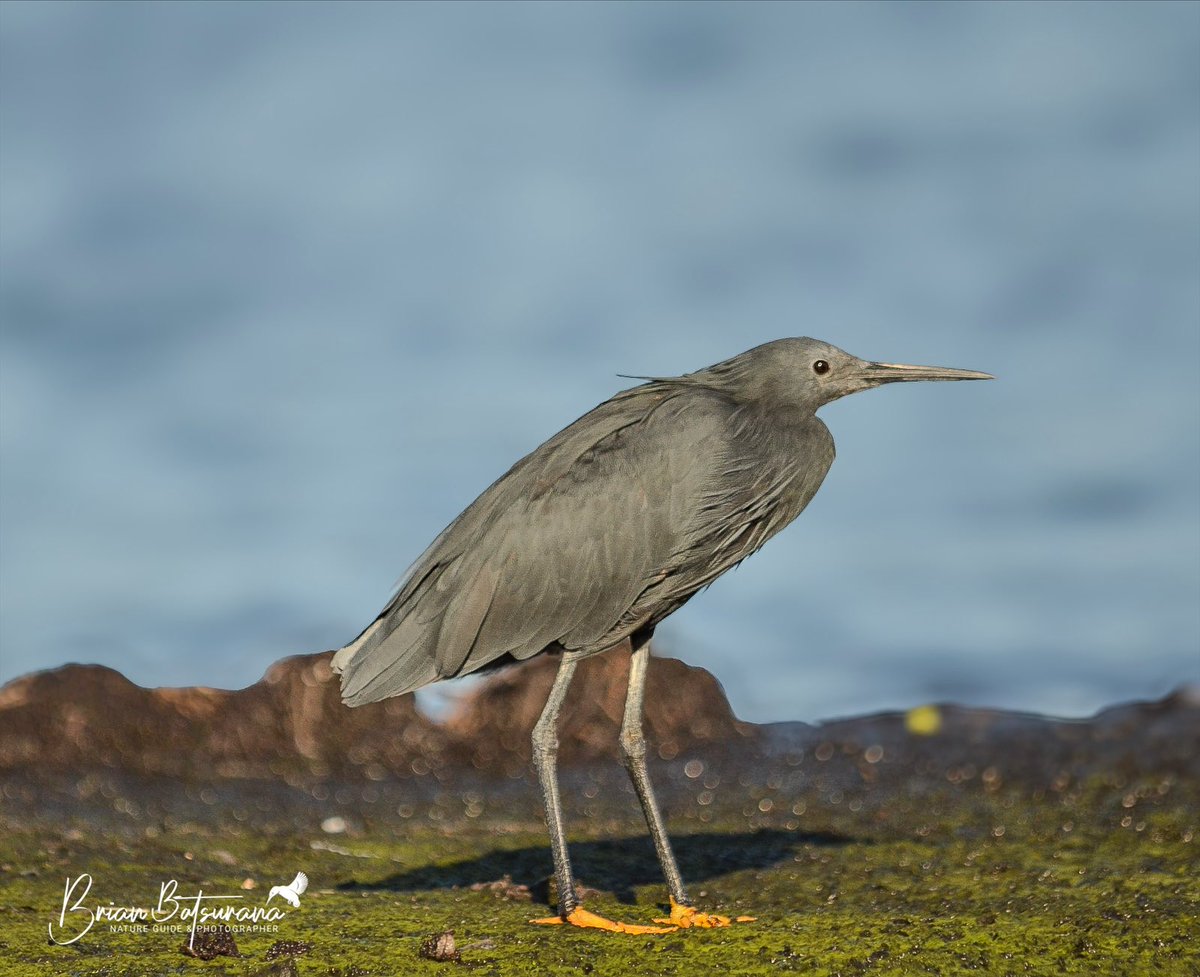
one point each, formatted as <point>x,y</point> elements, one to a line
<point>687,917</point>
<point>590,920</point>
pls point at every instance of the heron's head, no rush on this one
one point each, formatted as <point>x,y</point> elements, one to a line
<point>808,373</point>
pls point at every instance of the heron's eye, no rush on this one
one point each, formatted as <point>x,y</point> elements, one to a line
<point>820,367</point>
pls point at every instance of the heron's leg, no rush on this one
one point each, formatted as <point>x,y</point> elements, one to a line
<point>545,757</point>
<point>633,750</point>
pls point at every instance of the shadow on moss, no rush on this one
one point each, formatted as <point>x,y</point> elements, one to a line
<point>616,865</point>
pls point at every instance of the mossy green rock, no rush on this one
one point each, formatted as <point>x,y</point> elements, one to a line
<point>1091,879</point>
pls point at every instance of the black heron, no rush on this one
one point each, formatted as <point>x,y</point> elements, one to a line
<point>593,538</point>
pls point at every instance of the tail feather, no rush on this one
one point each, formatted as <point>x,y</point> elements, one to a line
<point>342,658</point>
<point>432,636</point>
<point>375,666</point>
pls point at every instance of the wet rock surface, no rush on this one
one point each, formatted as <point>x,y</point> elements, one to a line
<point>83,744</point>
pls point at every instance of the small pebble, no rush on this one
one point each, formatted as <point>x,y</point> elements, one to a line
<point>288,948</point>
<point>211,942</point>
<point>505,888</point>
<point>440,947</point>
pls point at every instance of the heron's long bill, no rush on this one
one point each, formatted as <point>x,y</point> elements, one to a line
<point>896,372</point>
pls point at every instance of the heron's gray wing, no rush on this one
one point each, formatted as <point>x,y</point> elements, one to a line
<point>556,551</point>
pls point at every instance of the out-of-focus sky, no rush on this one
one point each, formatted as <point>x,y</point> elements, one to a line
<point>284,286</point>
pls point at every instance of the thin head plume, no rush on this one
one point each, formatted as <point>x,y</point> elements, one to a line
<point>686,378</point>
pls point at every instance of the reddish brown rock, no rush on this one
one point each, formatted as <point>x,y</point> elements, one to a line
<point>685,707</point>
<point>290,725</point>
<point>88,715</point>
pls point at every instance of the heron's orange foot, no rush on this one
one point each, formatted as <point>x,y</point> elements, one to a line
<point>686,917</point>
<point>590,920</point>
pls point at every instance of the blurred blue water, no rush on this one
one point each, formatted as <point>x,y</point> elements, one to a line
<point>285,286</point>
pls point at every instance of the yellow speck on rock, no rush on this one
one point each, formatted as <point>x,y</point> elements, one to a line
<point>923,721</point>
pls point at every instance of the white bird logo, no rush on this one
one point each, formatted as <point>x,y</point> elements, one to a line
<point>290,892</point>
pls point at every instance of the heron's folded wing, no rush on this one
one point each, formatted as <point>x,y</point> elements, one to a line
<point>555,551</point>
<point>573,557</point>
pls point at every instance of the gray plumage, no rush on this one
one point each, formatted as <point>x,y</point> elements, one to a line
<point>596,536</point>
<point>617,520</point>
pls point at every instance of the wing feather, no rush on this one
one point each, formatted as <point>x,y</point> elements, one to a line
<point>463,619</point>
